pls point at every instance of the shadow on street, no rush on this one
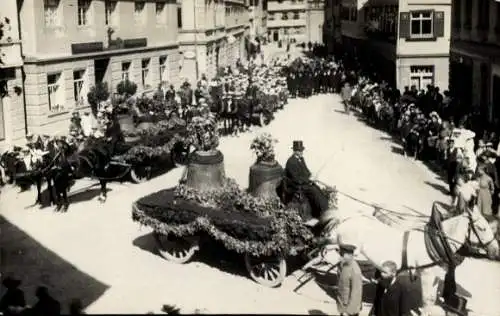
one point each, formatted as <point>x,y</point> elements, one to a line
<point>34,265</point>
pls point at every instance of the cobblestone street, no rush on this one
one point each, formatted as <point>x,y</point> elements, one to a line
<point>104,243</point>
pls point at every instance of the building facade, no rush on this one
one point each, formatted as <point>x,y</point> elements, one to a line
<point>213,34</point>
<point>258,18</point>
<point>406,42</point>
<point>315,21</point>
<point>12,118</point>
<point>332,33</point>
<point>70,45</point>
<point>475,56</point>
<point>287,20</point>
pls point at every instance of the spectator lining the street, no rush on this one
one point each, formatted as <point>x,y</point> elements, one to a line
<point>12,302</point>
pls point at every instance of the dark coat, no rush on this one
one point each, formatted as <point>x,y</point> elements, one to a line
<point>350,288</point>
<point>46,307</point>
<point>297,172</point>
<point>403,296</point>
<point>12,298</point>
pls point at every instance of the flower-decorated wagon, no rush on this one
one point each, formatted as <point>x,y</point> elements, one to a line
<point>142,145</point>
<point>207,205</point>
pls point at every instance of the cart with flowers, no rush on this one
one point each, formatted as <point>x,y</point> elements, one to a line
<point>144,146</point>
<point>208,205</point>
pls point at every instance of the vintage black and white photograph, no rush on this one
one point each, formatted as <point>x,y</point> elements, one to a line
<point>300,157</point>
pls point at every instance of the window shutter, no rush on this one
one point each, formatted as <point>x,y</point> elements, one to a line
<point>438,23</point>
<point>404,25</point>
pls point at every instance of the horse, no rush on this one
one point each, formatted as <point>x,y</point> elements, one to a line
<point>31,169</point>
<point>429,252</point>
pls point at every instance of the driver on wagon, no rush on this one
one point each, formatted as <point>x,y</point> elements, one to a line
<point>298,177</point>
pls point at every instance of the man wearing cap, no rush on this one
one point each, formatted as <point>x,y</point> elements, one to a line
<point>298,178</point>
<point>350,284</point>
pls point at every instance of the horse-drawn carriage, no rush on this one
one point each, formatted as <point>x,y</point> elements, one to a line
<point>208,206</point>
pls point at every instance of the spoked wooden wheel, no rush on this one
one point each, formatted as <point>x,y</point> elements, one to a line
<point>176,249</point>
<point>140,174</point>
<point>268,271</point>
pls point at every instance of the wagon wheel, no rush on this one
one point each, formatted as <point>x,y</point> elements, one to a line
<point>269,271</point>
<point>176,249</point>
<point>140,174</point>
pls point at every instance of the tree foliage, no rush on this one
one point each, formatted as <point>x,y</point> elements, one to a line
<point>97,94</point>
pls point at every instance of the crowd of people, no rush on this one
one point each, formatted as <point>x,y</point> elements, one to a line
<point>431,128</point>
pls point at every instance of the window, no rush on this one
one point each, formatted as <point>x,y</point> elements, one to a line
<point>179,18</point>
<point>421,24</point>
<point>51,10</point>
<point>145,72</point>
<point>284,16</point>
<point>139,12</point>
<point>271,17</point>
<point>55,93</point>
<point>126,70</point>
<point>160,13</point>
<point>296,15</point>
<point>163,69</point>
<point>83,12</point>
<point>421,76</point>
<point>78,83</point>
<point>110,12</point>
<point>354,14</point>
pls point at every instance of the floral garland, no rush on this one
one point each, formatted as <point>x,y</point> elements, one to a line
<point>202,132</point>
<point>291,233</point>
<point>280,243</point>
<point>138,154</point>
<point>263,147</point>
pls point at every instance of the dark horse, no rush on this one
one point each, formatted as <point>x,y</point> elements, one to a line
<point>90,162</point>
<point>26,172</point>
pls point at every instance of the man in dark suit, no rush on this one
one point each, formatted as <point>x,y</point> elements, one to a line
<point>396,294</point>
<point>298,177</point>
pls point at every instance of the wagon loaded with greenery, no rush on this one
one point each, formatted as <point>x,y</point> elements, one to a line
<point>152,139</point>
<point>207,204</point>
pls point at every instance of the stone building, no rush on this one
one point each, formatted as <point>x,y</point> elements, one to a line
<point>70,45</point>
<point>406,43</point>
<point>258,18</point>
<point>475,56</point>
<point>315,21</point>
<point>212,35</point>
<point>287,20</point>
<point>332,34</point>
<point>12,119</point>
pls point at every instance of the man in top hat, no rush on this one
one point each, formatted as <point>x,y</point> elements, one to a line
<point>350,283</point>
<point>298,178</point>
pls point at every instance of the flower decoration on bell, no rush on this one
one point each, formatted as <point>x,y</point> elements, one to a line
<point>263,147</point>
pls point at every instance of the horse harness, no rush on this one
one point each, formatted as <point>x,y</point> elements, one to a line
<point>436,244</point>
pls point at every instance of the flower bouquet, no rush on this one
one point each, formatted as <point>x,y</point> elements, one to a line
<point>263,147</point>
<point>202,133</point>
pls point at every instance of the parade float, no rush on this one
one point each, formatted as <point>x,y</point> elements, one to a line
<point>207,205</point>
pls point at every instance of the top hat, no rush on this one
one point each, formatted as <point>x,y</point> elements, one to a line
<point>298,145</point>
<point>347,248</point>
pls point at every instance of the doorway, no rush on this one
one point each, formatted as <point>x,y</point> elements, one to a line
<point>101,70</point>
<point>276,36</point>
